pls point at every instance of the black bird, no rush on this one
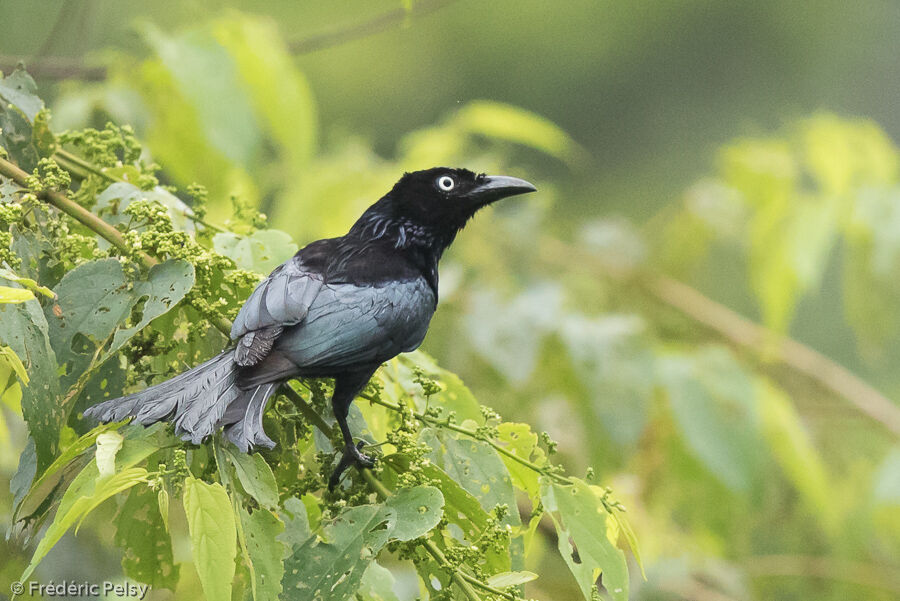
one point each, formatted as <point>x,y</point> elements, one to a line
<point>339,308</point>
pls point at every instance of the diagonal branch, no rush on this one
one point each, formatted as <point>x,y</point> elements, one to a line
<point>65,67</point>
<point>742,332</point>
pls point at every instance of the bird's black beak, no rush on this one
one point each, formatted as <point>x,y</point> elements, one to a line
<point>495,187</point>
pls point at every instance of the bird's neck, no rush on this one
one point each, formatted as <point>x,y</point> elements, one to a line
<point>403,235</point>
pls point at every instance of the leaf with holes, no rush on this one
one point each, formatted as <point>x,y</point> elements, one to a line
<point>418,510</point>
<point>142,535</point>
<point>332,565</point>
<point>579,517</point>
<point>266,552</point>
<point>96,301</point>
<point>24,329</point>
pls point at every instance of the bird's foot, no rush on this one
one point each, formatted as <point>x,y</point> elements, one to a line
<point>352,455</point>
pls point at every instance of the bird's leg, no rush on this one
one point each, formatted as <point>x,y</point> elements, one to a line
<point>345,390</point>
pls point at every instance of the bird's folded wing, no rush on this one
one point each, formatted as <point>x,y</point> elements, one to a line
<point>352,325</point>
<point>281,300</point>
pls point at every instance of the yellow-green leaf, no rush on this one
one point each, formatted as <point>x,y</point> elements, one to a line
<point>213,536</point>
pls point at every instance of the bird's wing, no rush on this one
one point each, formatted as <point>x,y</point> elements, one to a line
<point>283,299</point>
<point>350,325</point>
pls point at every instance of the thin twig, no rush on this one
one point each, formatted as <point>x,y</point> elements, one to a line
<point>64,67</point>
<point>828,568</point>
<point>373,26</point>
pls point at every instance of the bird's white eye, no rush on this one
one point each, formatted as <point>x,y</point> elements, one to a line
<point>446,183</point>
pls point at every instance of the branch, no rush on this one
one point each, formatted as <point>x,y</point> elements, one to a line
<point>863,574</point>
<point>373,26</point>
<point>64,67</point>
<point>76,211</point>
<point>744,333</point>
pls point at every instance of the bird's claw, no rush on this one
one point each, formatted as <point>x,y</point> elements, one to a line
<point>352,455</point>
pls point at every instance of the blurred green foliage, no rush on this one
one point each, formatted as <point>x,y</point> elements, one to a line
<point>744,475</point>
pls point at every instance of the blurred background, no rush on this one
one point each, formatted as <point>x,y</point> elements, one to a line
<point>702,301</point>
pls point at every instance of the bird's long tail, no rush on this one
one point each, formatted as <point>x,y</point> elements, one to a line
<point>198,402</point>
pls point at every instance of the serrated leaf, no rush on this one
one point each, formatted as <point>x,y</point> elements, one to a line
<point>94,301</point>
<point>332,566</point>
<point>213,536</point>
<point>418,510</point>
<point>261,531</point>
<point>255,476</point>
<point>143,536</point>
<point>461,509</point>
<point>579,515</point>
<point>19,90</point>
<point>23,328</point>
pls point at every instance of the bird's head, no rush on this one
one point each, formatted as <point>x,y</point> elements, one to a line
<point>439,201</point>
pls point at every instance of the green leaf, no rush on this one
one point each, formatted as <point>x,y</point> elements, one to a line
<point>202,69</point>
<point>86,492</point>
<point>476,466</point>
<point>579,515</point>
<point>613,360</point>
<point>713,402</point>
<point>162,501</point>
<point>332,566</point>
<point>261,531</point>
<point>280,94</point>
<point>461,509</point>
<point>255,476</point>
<point>418,510</point>
<point>96,302</point>
<point>794,451</point>
<point>23,328</point>
<point>377,584</point>
<point>261,251</point>
<point>55,472</point>
<point>15,295</point>
<point>296,524</point>
<point>112,202</point>
<point>523,443</point>
<point>213,536</point>
<point>505,579</point>
<point>11,361</point>
<point>513,124</point>
<point>143,536</point>
<point>28,283</point>
<point>19,90</point>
